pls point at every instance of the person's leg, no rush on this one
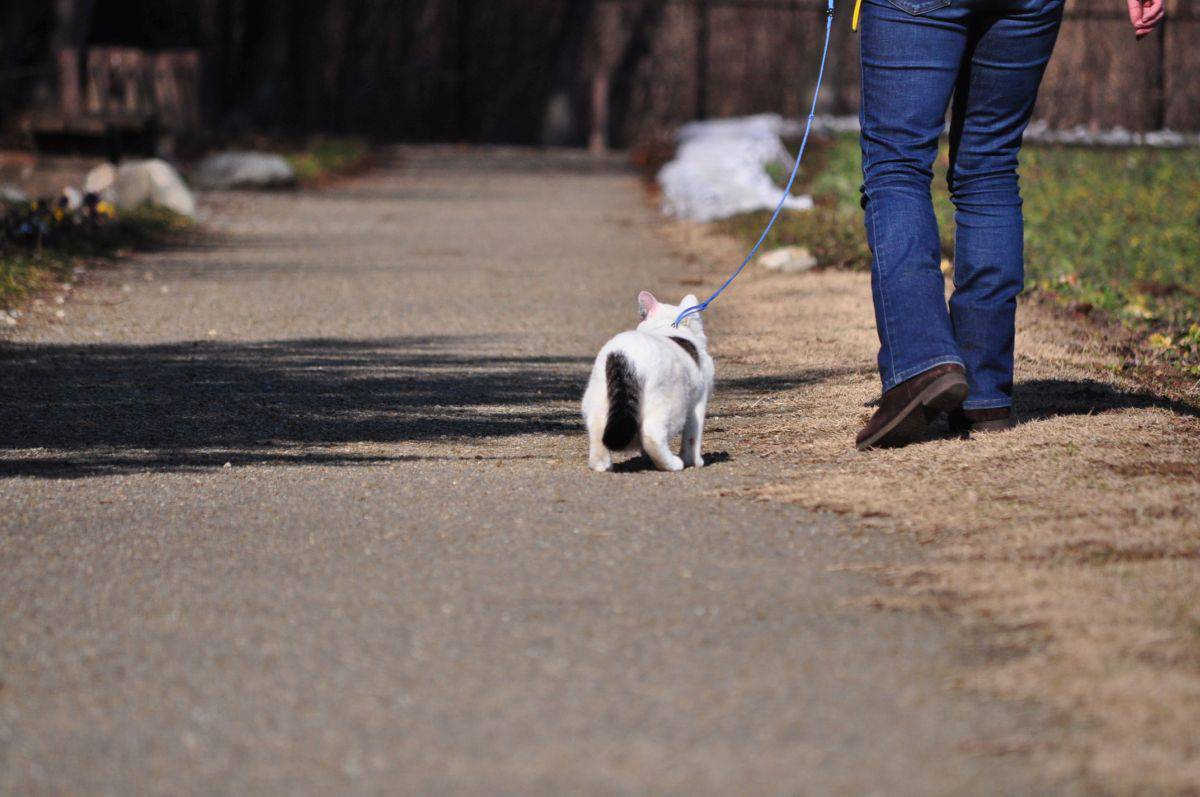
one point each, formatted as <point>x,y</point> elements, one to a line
<point>1003,68</point>
<point>910,64</point>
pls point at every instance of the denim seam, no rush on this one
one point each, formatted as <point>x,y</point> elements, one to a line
<point>921,368</point>
<point>935,5</point>
<point>992,404</point>
<point>887,327</point>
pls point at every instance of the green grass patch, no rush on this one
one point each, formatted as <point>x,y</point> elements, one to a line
<point>833,229</point>
<point>325,157</point>
<point>40,246</point>
<point>1108,230</point>
<point>22,274</point>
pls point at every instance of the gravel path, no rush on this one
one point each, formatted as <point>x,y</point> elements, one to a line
<point>405,579</point>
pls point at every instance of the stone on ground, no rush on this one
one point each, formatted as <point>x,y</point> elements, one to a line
<point>788,259</point>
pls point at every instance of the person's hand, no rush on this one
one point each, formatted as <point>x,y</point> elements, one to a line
<point>1145,15</point>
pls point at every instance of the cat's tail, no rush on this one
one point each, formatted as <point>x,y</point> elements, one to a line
<point>624,396</point>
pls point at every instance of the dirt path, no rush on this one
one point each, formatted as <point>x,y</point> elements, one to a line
<point>1072,543</point>
<point>305,510</point>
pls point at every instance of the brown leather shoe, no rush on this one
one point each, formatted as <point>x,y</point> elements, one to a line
<point>998,419</point>
<point>905,410</point>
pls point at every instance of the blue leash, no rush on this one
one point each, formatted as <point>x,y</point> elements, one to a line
<point>787,192</point>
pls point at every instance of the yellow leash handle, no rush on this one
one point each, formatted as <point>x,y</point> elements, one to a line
<point>857,11</point>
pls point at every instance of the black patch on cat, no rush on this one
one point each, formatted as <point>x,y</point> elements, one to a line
<point>623,399</point>
<point>687,346</point>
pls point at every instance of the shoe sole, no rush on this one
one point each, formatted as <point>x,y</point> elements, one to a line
<point>984,427</point>
<point>944,394</point>
<point>988,427</point>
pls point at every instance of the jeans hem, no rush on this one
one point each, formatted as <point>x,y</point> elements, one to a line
<point>917,370</point>
<point>987,404</point>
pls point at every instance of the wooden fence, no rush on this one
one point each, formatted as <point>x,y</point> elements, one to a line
<point>566,71</point>
<point>732,57</point>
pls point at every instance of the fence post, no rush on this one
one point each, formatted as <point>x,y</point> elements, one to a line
<point>70,99</point>
<point>1160,77</point>
<point>702,34</point>
<point>598,137</point>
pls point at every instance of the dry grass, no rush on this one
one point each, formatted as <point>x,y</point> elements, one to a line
<point>1074,540</point>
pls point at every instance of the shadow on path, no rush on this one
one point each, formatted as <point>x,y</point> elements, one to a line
<point>105,408</point>
<point>69,411</point>
<point>1041,399</point>
<point>1046,398</point>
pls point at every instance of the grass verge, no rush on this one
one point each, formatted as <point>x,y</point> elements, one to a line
<point>1107,232</point>
<point>1070,544</point>
<point>324,158</point>
<point>29,264</point>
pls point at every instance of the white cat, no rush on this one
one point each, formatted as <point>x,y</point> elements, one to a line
<point>649,385</point>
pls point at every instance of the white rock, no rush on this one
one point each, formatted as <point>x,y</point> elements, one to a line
<point>788,259</point>
<point>244,170</point>
<point>101,180</point>
<point>154,182</point>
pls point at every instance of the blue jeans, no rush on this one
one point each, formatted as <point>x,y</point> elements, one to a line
<point>989,55</point>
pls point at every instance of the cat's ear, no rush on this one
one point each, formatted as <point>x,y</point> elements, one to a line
<point>689,301</point>
<point>647,304</point>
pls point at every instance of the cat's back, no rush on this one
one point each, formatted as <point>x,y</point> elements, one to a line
<point>637,344</point>
<point>655,357</point>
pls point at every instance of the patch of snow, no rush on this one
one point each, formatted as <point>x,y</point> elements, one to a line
<point>153,181</point>
<point>720,169</point>
<point>100,181</point>
<point>1038,132</point>
<point>244,170</point>
<point>13,194</point>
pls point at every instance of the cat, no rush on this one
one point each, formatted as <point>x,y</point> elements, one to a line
<point>649,385</point>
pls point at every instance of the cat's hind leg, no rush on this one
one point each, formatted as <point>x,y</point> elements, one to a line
<point>657,445</point>
<point>693,435</point>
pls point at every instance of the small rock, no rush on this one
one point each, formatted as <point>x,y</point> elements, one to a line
<point>8,320</point>
<point>60,314</point>
<point>244,170</point>
<point>1080,308</point>
<point>788,259</point>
